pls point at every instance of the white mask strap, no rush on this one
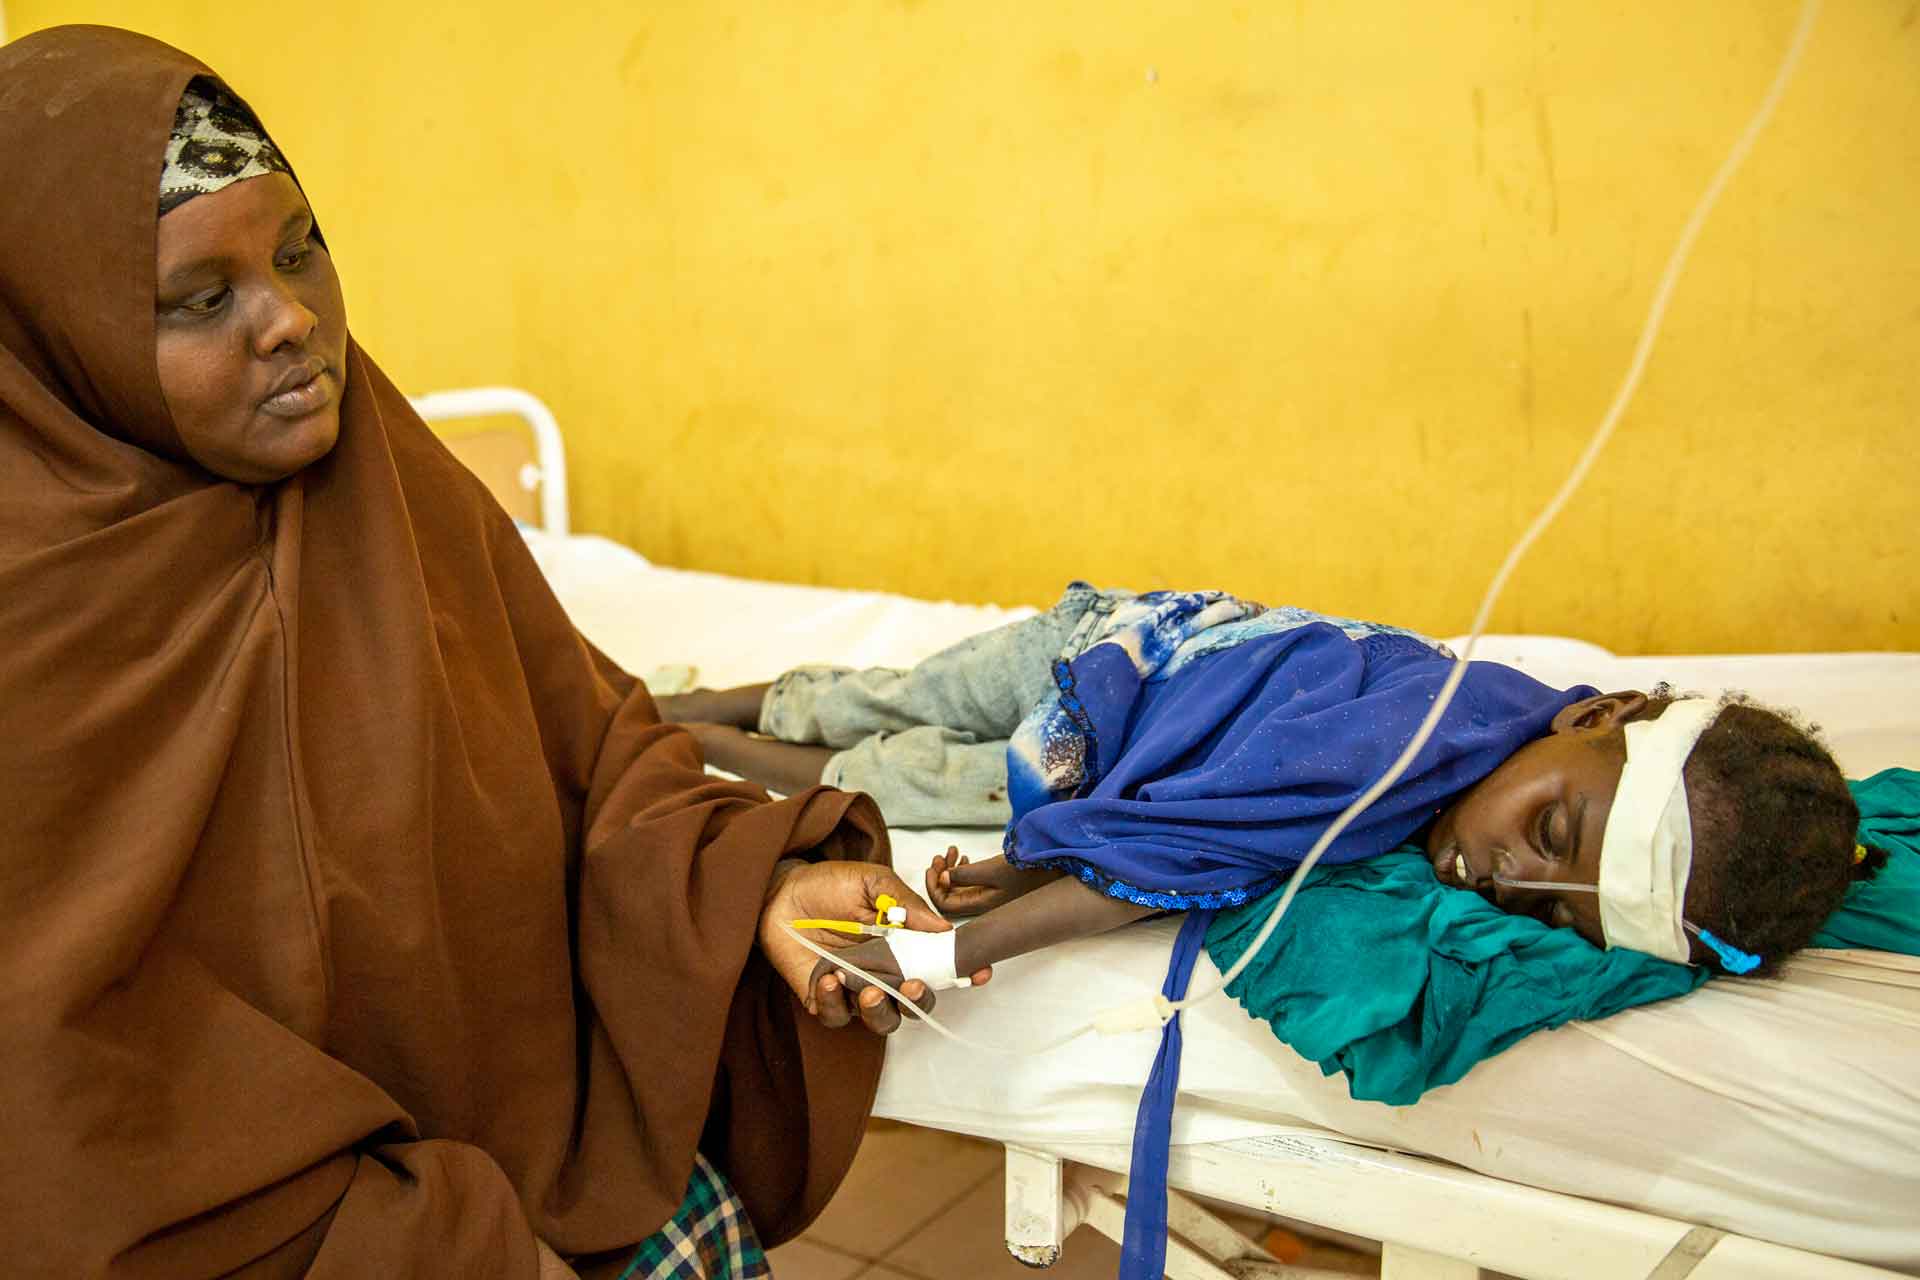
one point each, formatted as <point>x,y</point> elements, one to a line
<point>1646,856</point>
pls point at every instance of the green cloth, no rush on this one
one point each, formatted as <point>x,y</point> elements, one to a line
<point>1884,913</point>
<point>1404,983</point>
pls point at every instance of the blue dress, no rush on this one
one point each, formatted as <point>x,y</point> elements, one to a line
<point>1188,763</point>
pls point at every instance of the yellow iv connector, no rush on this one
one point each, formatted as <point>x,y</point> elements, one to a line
<point>887,914</point>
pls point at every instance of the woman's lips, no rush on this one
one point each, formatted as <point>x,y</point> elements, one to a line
<point>307,395</point>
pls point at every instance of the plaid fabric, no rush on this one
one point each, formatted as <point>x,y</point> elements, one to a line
<point>708,1237</point>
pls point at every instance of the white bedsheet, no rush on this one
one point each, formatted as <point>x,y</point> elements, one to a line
<point>1786,1110</point>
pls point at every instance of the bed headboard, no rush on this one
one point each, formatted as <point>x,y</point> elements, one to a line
<point>521,461</point>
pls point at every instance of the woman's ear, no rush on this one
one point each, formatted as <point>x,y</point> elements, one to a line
<point>1602,712</point>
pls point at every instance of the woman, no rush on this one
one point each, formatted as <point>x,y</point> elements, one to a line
<point>356,916</point>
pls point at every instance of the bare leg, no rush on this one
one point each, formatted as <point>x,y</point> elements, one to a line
<point>785,767</point>
<point>739,707</point>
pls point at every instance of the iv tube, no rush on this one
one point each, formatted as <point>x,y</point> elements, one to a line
<point>1158,1010</point>
<point>1550,885</point>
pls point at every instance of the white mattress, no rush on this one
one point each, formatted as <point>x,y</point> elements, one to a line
<point>1786,1110</point>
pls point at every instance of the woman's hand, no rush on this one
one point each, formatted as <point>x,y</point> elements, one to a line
<point>843,891</point>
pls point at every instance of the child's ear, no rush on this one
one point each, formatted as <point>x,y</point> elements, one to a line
<point>1601,712</point>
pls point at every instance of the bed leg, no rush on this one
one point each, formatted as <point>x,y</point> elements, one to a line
<point>1047,1199</point>
<point>1100,1200</point>
<point>1189,1220</point>
<point>1404,1262</point>
<point>1037,1223</point>
<point>1203,1246</point>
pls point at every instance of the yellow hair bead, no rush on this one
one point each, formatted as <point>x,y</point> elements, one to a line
<point>1859,854</point>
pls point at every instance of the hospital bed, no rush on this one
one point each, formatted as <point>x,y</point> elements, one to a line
<point>1752,1130</point>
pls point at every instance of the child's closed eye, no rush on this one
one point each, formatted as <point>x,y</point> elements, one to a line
<point>1544,833</point>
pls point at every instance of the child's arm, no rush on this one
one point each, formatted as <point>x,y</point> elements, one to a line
<point>1058,911</point>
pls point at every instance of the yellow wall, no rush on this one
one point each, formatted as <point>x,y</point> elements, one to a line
<point>1314,301</point>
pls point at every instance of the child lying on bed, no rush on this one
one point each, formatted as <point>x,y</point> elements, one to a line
<point>1173,751</point>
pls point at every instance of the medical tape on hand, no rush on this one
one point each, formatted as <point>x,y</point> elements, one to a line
<point>926,956</point>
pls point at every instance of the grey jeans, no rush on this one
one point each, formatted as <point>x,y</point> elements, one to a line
<point>930,744</point>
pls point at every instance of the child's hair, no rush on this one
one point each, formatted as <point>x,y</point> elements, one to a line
<point>1773,829</point>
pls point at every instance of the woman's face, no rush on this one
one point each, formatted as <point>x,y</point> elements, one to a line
<point>251,331</point>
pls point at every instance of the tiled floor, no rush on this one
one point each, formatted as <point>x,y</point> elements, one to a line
<point>924,1205</point>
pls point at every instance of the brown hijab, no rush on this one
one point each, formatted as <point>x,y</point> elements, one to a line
<point>355,914</point>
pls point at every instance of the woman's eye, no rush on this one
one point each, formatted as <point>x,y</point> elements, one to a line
<point>295,258</point>
<point>203,303</point>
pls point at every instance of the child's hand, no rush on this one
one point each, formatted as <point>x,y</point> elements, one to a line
<point>839,994</point>
<point>959,886</point>
<point>955,886</point>
<point>843,891</point>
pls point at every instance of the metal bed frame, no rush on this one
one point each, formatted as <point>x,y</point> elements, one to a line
<point>1433,1220</point>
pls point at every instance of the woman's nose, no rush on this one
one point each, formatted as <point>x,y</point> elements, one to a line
<point>284,320</point>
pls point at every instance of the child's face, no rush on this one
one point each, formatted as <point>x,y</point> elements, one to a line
<point>1541,816</point>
